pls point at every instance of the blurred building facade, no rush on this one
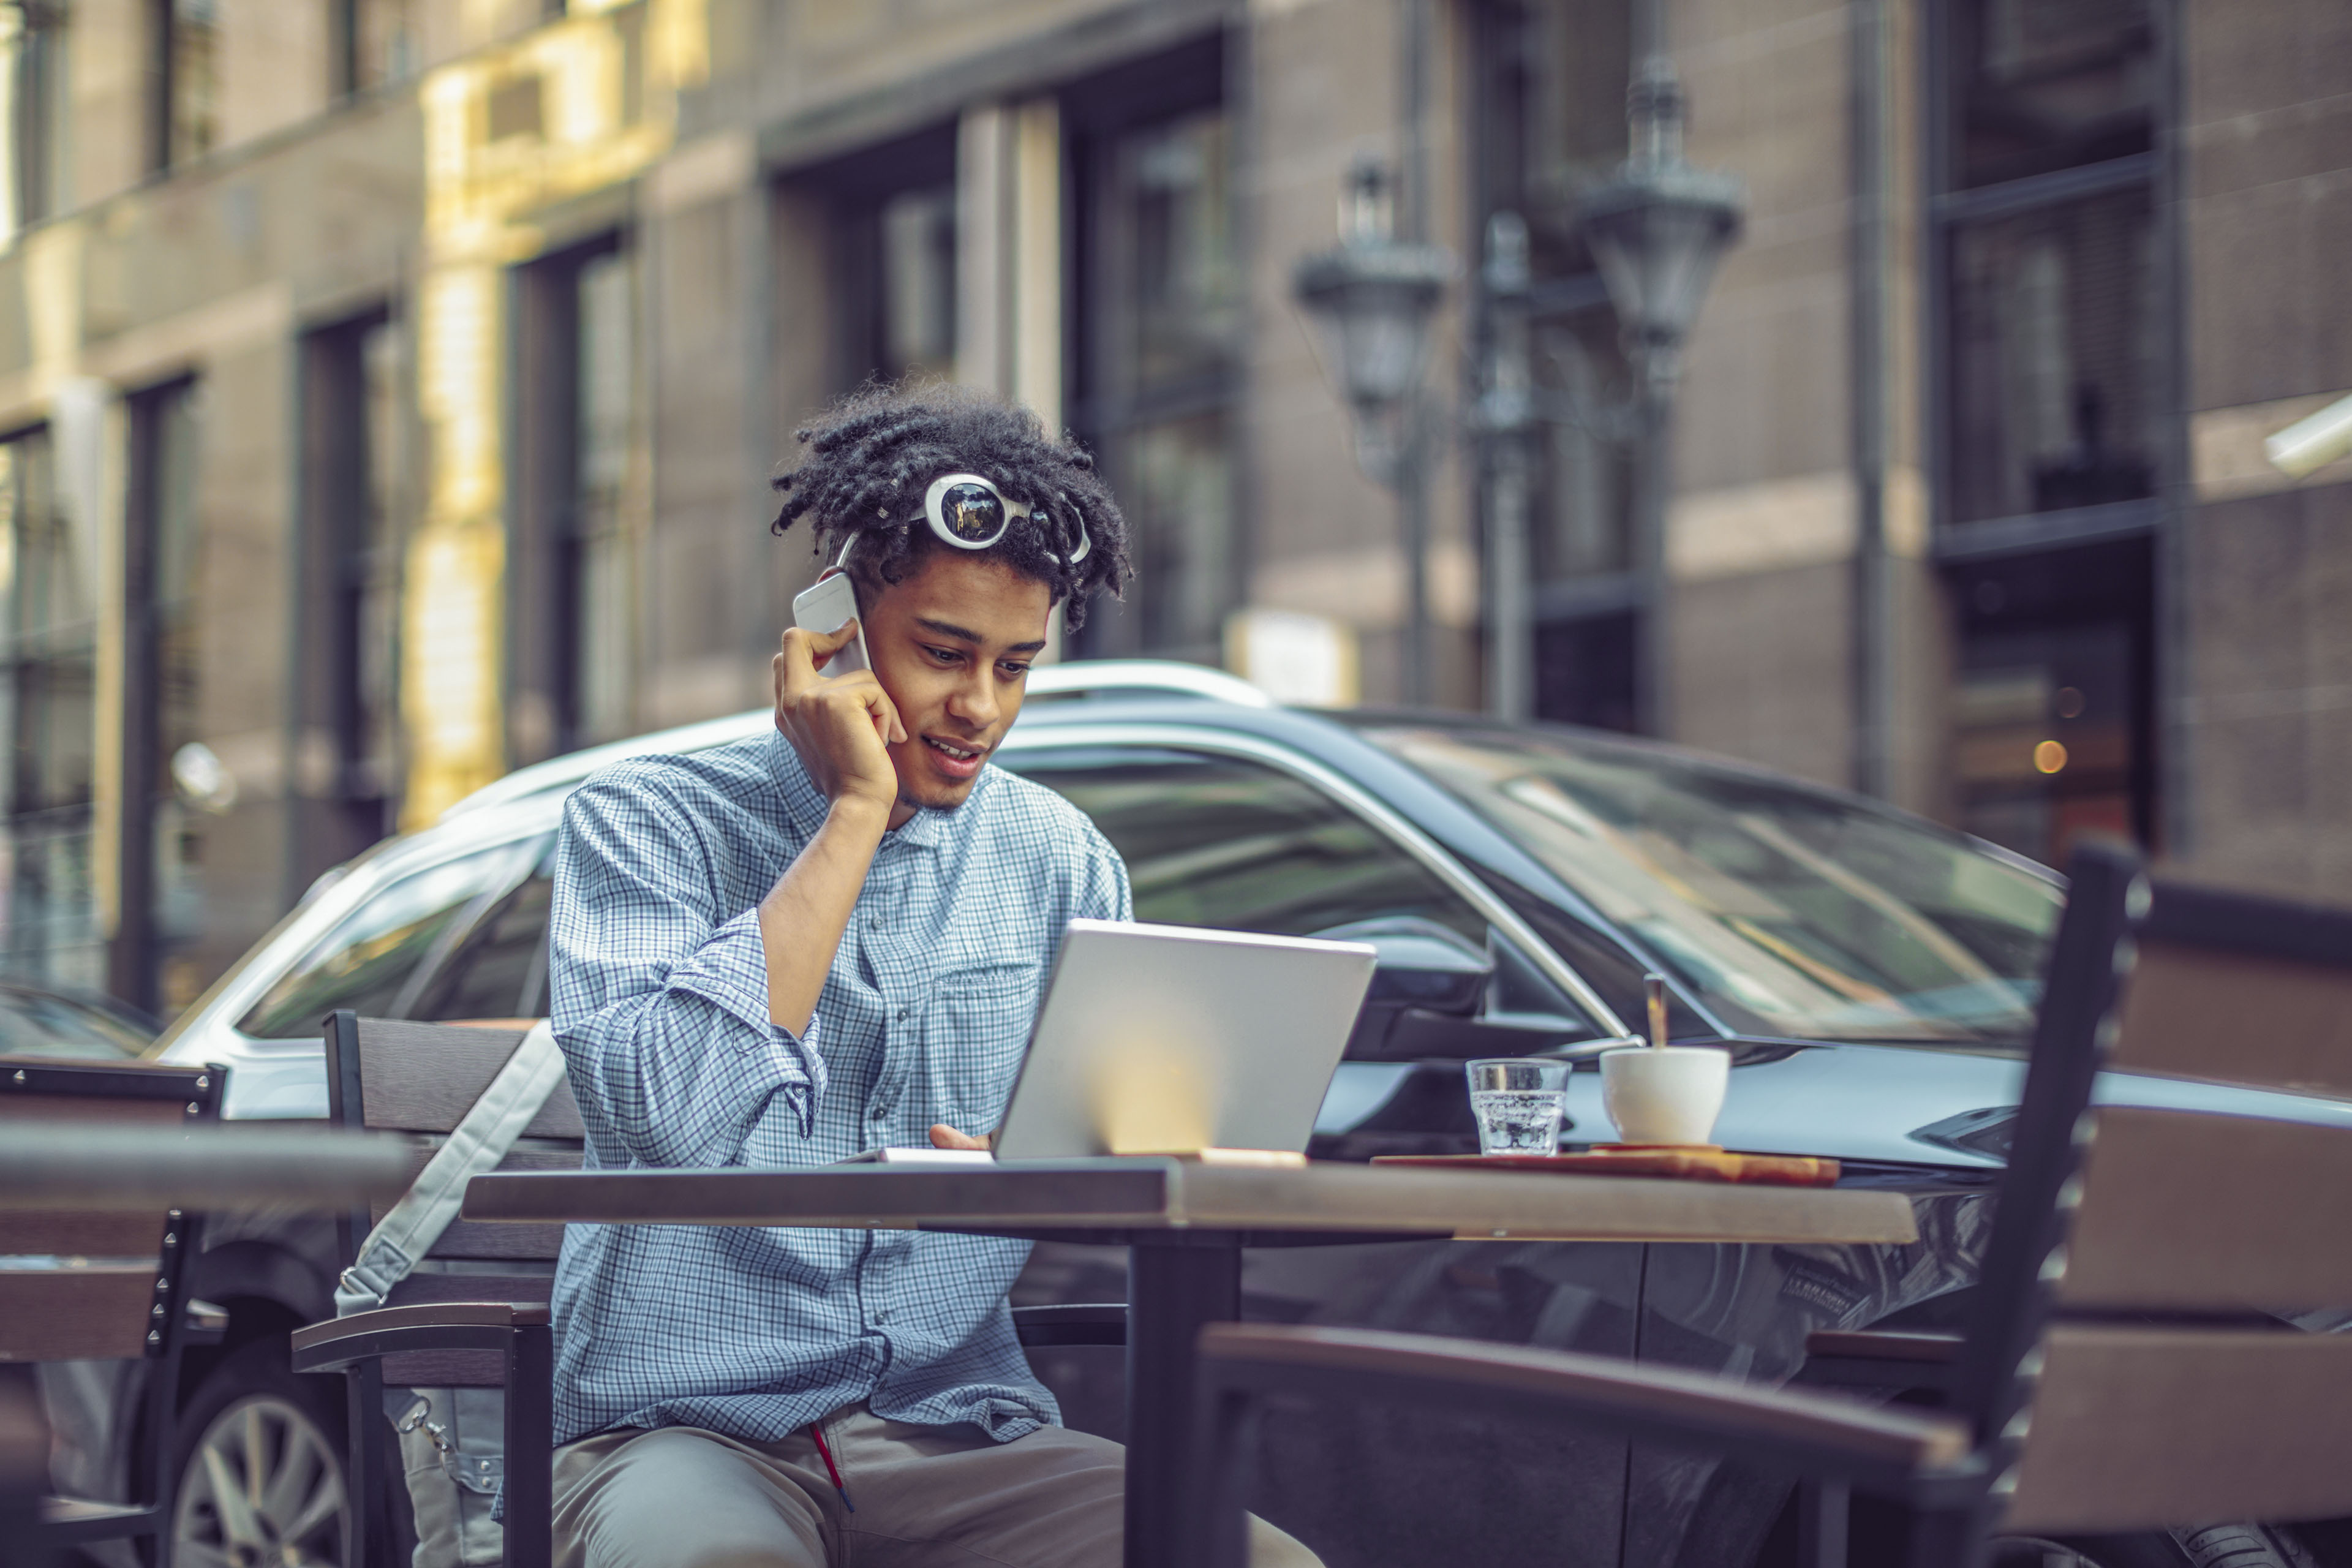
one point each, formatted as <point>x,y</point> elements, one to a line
<point>388,390</point>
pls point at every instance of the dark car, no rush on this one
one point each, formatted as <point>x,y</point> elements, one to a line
<point>1872,975</point>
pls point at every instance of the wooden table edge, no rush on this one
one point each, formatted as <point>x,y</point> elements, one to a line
<point>1894,1223</point>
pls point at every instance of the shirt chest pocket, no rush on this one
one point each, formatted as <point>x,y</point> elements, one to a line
<point>975,1028</point>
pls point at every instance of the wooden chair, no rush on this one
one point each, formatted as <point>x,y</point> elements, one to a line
<point>105,1284</point>
<point>2121,1371</point>
<point>484,1323</point>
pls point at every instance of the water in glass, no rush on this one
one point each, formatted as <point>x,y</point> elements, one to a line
<point>1517,1121</point>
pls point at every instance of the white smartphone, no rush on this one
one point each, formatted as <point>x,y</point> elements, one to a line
<point>827,607</point>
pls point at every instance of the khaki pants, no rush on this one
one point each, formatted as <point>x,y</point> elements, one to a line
<point>924,1497</point>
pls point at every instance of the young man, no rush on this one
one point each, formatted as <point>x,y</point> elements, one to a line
<point>829,939</point>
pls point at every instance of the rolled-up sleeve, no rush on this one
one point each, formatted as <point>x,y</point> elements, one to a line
<point>660,998</point>
<point>1103,892</point>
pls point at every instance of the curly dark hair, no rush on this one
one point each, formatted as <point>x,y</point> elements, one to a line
<point>874,454</point>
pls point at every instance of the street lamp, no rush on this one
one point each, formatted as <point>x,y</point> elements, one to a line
<point>1655,233</point>
<point>1373,296</point>
<point>1657,230</point>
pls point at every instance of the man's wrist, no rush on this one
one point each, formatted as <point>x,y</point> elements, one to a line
<point>859,814</point>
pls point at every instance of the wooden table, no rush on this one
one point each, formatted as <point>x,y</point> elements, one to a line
<point>1184,1224</point>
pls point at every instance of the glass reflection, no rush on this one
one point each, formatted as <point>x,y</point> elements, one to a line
<point>48,629</point>
<point>916,294</point>
<point>2054,344</point>
<point>2052,84</point>
<point>1165,302</point>
<point>1789,912</point>
<point>1177,496</point>
<point>1186,282</point>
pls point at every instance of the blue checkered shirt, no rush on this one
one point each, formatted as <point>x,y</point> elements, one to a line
<point>661,1007</point>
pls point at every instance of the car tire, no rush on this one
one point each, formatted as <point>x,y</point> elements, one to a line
<point>2152,1550</point>
<point>2242,1546</point>
<point>2213,1546</point>
<point>272,1443</point>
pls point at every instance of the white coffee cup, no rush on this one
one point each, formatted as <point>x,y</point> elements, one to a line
<point>1665,1094</point>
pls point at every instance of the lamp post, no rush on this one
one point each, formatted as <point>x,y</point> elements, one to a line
<point>1656,232</point>
<point>1507,416</point>
<point>1373,295</point>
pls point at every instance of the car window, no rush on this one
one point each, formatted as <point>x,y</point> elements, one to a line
<point>1225,842</point>
<point>368,960</point>
<point>1237,844</point>
<point>499,969</point>
<point>1791,911</point>
<point>34,1024</point>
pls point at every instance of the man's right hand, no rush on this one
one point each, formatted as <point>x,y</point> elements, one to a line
<point>841,726</point>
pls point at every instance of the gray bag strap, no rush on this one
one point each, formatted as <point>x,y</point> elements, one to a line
<point>475,1146</point>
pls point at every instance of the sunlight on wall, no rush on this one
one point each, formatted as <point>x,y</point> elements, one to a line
<point>576,106</point>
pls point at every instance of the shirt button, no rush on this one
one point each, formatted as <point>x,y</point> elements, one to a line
<point>905,1014</point>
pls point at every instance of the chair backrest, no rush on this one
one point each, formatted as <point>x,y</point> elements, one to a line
<point>2130,1366</point>
<point>97,1284</point>
<point>389,1075</point>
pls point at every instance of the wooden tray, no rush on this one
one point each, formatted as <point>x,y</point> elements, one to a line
<point>1688,1163</point>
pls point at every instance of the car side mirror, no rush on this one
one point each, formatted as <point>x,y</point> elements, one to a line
<point>1422,965</point>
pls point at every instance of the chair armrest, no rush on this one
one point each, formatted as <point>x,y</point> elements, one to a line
<point>1782,1429</point>
<point>518,1330</point>
<point>335,1345</point>
<point>1885,1344</point>
<point>1086,1324</point>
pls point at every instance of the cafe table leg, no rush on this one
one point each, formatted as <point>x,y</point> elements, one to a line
<point>1175,1284</point>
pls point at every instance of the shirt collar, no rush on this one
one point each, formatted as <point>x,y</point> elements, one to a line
<point>806,804</point>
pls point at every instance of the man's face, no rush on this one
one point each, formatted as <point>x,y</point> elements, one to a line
<point>952,645</point>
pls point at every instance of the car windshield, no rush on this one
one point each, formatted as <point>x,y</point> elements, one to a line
<point>37,1023</point>
<point>1790,913</point>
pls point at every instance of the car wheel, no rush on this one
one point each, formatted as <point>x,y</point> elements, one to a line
<point>2242,1546</point>
<point>260,1470</point>
<point>2213,1546</point>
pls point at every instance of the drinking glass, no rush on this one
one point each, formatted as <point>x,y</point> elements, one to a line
<point>1518,1101</point>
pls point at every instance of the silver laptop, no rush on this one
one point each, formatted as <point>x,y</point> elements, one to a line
<point>1168,1039</point>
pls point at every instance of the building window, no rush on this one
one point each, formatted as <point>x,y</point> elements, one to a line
<point>573,576</point>
<point>346,764</point>
<point>898,277</point>
<point>33,37</point>
<point>1550,122</point>
<point>48,617</point>
<point>2053,351</point>
<point>2040,86</point>
<point>2051,327</point>
<point>2053,703</point>
<point>375,43</point>
<point>1161,311</point>
<point>170,781</point>
<point>184,81</point>
<point>914,325</point>
<point>2052,337</point>
<point>891,213</point>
